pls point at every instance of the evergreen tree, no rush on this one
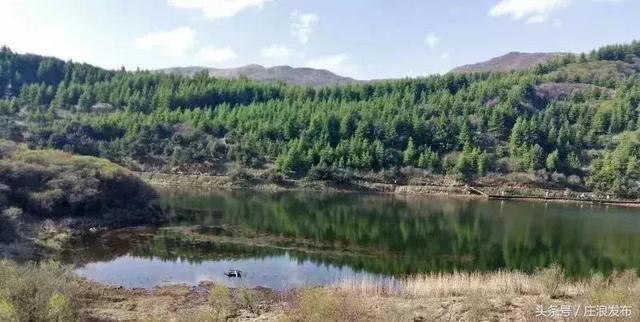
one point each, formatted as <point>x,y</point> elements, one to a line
<point>553,161</point>
<point>410,153</point>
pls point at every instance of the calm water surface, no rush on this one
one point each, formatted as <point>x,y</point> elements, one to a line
<point>284,240</point>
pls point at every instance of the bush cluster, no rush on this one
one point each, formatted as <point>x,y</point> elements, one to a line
<point>52,184</point>
<point>44,292</point>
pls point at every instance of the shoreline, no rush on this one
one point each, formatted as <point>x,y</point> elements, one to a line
<point>500,295</point>
<point>615,203</point>
<point>360,186</point>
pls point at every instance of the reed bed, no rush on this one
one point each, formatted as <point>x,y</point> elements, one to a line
<point>550,282</point>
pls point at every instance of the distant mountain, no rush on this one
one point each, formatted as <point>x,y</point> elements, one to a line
<point>287,74</point>
<point>508,62</point>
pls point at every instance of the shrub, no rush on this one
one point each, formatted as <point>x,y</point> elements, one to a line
<point>225,303</point>
<point>60,308</point>
<point>12,213</point>
<point>616,288</point>
<point>574,180</point>
<point>247,300</point>
<point>542,175</point>
<point>245,155</point>
<point>318,304</point>
<point>502,165</point>
<point>393,175</point>
<point>319,173</point>
<point>31,292</point>
<point>325,173</point>
<point>54,184</point>
<point>221,302</point>
<point>47,202</point>
<point>340,176</point>
<point>551,278</point>
<point>558,177</point>
<point>239,175</point>
<point>7,311</point>
<point>8,219</point>
<point>7,148</point>
<point>273,176</point>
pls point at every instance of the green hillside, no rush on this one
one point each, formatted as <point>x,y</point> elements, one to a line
<point>572,121</point>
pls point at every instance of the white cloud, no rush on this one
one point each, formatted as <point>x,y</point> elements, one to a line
<point>25,32</point>
<point>339,64</point>
<point>558,23</point>
<point>277,52</point>
<point>216,55</point>
<point>303,25</point>
<point>174,43</point>
<point>217,9</point>
<point>532,11</point>
<point>431,40</point>
<point>444,55</point>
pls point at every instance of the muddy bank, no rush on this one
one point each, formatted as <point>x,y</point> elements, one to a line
<point>496,188</point>
<point>102,302</point>
<point>435,187</point>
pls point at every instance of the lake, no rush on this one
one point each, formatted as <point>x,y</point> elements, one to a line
<point>293,239</point>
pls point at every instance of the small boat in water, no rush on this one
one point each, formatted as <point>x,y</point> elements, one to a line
<point>233,273</point>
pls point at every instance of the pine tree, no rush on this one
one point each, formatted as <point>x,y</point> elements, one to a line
<point>573,161</point>
<point>553,161</point>
<point>410,153</point>
<point>465,167</point>
<point>465,137</point>
<point>483,164</point>
<point>517,138</point>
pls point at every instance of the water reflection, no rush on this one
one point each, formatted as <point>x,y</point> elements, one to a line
<point>275,272</point>
<point>324,237</point>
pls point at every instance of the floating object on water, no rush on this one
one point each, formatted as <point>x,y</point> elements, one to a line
<point>233,273</point>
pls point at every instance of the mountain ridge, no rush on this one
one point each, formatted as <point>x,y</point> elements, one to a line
<point>285,73</point>
<point>511,61</point>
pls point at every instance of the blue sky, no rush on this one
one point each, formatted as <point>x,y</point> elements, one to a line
<point>365,39</point>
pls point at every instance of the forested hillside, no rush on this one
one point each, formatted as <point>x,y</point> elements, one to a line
<point>573,120</point>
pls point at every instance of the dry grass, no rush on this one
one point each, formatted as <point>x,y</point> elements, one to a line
<point>49,157</point>
<point>223,304</point>
<point>502,295</point>
<point>458,284</point>
<point>106,168</point>
<point>448,284</point>
<point>492,296</point>
<point>326,305</point>
<point>49,292</point>
<point>550,282</point>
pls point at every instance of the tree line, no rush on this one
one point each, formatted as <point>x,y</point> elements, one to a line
<point>576,116</point>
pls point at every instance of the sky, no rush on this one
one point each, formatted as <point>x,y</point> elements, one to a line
<point>364,39</point>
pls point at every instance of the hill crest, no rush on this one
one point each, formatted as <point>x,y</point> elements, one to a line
<point>508,62</point>
<point>284,73</point>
